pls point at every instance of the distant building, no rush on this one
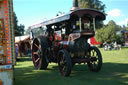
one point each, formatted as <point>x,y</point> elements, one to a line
<point>125,37</point>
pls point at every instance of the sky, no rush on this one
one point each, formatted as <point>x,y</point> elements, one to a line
<point>30,12</point>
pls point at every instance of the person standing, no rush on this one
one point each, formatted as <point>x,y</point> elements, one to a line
<point>16,51</point>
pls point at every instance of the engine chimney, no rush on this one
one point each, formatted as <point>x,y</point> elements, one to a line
<point>75,5</point>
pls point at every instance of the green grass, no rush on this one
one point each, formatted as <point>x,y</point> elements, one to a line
<point>113,72</point>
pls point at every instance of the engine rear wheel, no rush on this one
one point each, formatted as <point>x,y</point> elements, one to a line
<point>38,56</point>
<point>95,58</point>
<point>64,62</point>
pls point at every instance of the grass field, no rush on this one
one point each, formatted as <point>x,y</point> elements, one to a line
<point>113,72</point>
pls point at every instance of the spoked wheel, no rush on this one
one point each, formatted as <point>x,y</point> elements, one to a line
<point>38,55</point>
<point>95,59</point>
<point>64,62</point>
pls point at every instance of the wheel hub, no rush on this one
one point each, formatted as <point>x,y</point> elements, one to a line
<point>93,59</point>
<point>39,52</point>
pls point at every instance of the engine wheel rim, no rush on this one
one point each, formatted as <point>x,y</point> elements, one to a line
<point>62,64</point>
<point>36,52</point>
<point>94,55</point>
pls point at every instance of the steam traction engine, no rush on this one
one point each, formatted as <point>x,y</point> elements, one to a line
<point>64,40</point>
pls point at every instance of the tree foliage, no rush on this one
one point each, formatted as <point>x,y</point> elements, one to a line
<point>95,4</point>
<point>27,32</point>
<point>127,27</point>
<point>19,29</point>
<point>108,33</point>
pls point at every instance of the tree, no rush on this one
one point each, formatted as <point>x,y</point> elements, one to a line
<point>15,24</point>
<point>19,30</point>
<point>127,27</point>
<point>27,32</point>
<point>108,33</point>
<point>94,4</point>
<point>100,35</point>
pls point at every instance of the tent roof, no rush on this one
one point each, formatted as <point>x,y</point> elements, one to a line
<point>21,38</point>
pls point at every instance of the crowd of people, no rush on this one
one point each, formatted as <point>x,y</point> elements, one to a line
<point>111,46</point>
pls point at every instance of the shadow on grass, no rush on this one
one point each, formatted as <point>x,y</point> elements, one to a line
<point>110,74</point>
<point>22,59</point>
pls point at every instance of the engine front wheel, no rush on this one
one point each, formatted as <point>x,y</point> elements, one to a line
<point>95,59</point>
<point>38,55</point>
<point>64,62</point>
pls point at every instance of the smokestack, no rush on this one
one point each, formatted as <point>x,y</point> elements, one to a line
<point>75,5</point>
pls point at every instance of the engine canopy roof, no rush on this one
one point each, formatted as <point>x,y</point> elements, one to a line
<point>80,12</point>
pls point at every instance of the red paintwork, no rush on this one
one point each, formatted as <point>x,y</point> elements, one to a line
<point>94,42</point>
<point>57,36</point>
<point>126,35</point>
